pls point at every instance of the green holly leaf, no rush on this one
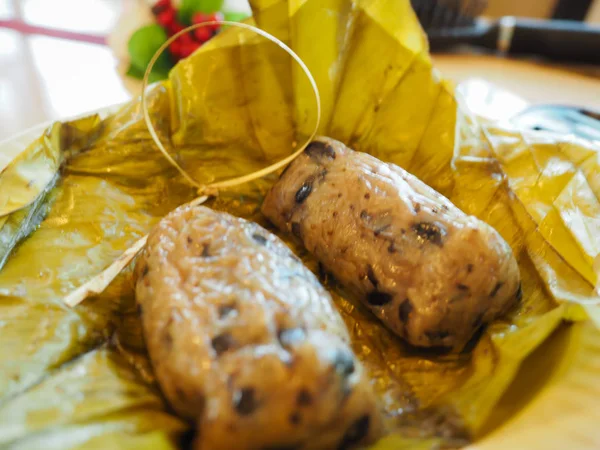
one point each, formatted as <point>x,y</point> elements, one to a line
<point>188,8</point>
<point>156,75</point>
<point>142,46</point>
<point>235,16</point>
<point>134,72</point>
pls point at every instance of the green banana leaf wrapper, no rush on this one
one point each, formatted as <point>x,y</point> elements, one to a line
<point>86,190</point>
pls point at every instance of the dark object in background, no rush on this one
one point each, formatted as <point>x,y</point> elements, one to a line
<point>449,23</point>
<point>561,119</point>
<point>572,9</point>
<point>438,15</point>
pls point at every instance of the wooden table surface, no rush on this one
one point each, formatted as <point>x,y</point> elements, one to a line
<point>536,82</point>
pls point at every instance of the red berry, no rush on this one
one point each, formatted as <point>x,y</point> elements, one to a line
<point>216,17</point>
<point>183,46</point>
<point>188,49</point>
<point>174,28</point>
<point>166,18</point>
<point>161,6</point>
<point>203,34</point>
<point>175,49</point>
<point>185,39</point>
<point>201,17</point>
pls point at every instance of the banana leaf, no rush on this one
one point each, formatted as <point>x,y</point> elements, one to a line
<point>557,182</point>
<point>27,180</point>
<point>29,174</point>
<point>235,105</point>
<point>95,400</point>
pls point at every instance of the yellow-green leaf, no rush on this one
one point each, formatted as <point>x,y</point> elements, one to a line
<point>238,104</point>
<point>28,175</point>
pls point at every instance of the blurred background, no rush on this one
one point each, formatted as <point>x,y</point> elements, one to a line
<point>564,9</point>
<point>54,61</point>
